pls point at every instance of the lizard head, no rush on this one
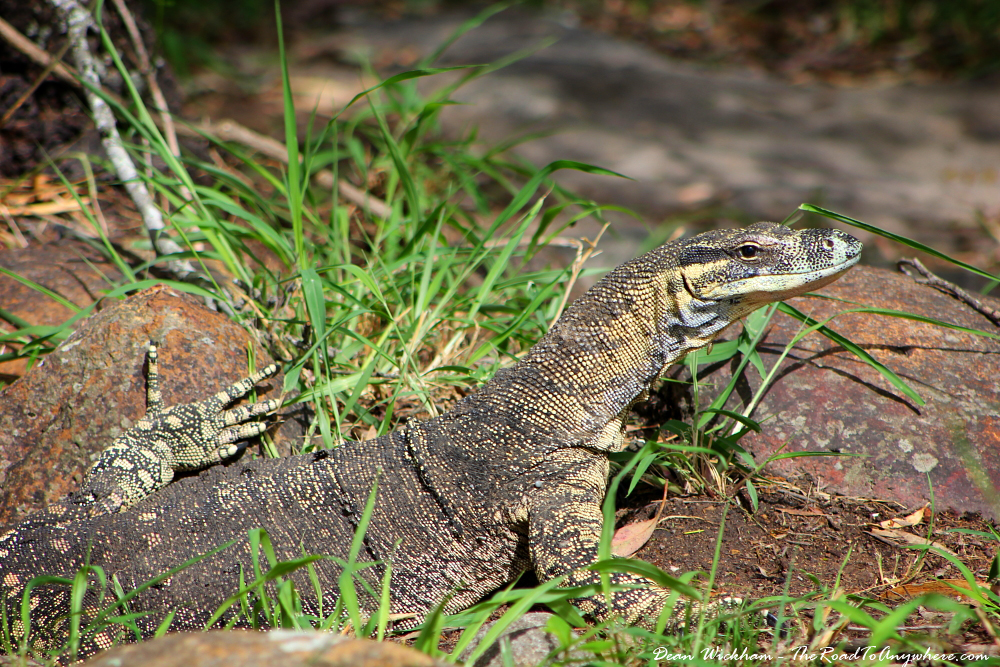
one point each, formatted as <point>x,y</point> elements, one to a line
<point>763,263</point>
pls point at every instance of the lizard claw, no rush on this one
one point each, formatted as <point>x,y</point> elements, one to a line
<point>226,451</point>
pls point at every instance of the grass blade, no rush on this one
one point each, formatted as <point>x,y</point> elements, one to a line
<point>916,245</point>
<point>893,379</point>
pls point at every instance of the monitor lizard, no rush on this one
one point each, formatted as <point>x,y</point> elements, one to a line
<point>512,478</point>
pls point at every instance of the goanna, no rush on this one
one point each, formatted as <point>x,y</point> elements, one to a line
<point>512,478</point>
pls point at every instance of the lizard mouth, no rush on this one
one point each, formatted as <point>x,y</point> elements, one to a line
<point>780,287</point>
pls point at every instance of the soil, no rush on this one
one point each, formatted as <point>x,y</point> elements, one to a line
<point>794,537</point>
<point>49,117</point>
<point>812,544</point>
<point>710,142</point>
<point>834,42</point>
<point>703,145</point>
<point>48,121</point>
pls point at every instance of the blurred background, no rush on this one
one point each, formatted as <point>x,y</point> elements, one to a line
<point>721,112</point>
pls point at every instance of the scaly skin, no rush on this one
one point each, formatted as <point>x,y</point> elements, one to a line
<point>511,478</point>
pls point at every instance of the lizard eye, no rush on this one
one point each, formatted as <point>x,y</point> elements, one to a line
<point>748,251</point>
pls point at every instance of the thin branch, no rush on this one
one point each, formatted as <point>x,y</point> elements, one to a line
<point>230,130</point>
<point>41,57</point>
<point>147,71</point>
<point>30,49</point>
<point>225,130</point>
<point>947,287</point>
<point>582,255</point>
<point>39,80</point>
<point>78,21</point>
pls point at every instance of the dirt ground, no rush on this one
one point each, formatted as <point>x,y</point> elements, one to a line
<point>792,536</point>
<point>814,543</point>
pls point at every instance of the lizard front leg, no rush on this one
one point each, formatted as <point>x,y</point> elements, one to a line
<point>564,533</point>
<point>189,436</point>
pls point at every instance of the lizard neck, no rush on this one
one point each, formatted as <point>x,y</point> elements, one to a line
<point>579,382</point>
<point>575,387</point>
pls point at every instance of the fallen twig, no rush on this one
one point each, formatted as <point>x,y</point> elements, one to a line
<point>230,130</point>
<point>582,255</point>
<point>78,20</point>
<point>39,80</point>
<point>949,288</point>
<point>146,69</point>
<point>28,48</point>
<point>225,130</point>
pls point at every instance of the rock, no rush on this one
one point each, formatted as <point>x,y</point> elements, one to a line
<point>56,419</point>
<point>530,643</point>
<point>277,648</point>
<point>71,269</point>
<point>826,399</point>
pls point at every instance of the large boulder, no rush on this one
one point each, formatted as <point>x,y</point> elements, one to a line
<point>529,641</point>
<point>826,399</point>
<point>277,648</point>
<point>73,270</point>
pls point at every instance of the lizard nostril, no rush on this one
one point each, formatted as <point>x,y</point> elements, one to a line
<point>828,244</point>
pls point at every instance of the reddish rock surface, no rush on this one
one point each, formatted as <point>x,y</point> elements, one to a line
<point>57,418</point>
<point>71,269</point>
<point>826,399</point>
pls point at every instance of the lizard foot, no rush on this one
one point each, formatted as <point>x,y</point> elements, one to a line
<point>188,436</point>
<point>202,433</point>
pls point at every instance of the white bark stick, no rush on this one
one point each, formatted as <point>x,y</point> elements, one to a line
<point>78,20</point>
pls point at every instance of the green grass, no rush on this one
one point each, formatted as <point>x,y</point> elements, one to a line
<point>374,315</point>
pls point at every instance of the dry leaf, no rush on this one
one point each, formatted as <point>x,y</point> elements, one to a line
<point>898,537</point>
<point>629,539</point>
<point>943,586</point>
<point>47,208</point>
<point>909,520</point>
<point>829,634</point>
<point>327,95</point>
